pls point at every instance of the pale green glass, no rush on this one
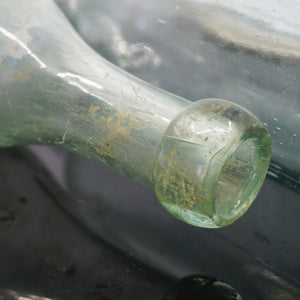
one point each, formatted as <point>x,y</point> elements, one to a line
<point>245,51</point>
<point>205,160</point>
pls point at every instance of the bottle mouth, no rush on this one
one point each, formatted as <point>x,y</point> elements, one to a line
<point>211,163</point>
<point>240,178</point>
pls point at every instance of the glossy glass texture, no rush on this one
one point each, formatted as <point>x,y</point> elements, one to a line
<point>211,162</point>
<point>56,90</point>
<point>248,52</point>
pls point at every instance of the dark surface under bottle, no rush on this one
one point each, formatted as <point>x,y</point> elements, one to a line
<point>47,252</point>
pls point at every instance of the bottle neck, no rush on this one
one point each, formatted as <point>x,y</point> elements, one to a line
<point>115,119</point>
<point>80,101</point>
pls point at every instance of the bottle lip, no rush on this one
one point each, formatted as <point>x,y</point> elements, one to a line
<point>244,177</point>
<point>211,163</point>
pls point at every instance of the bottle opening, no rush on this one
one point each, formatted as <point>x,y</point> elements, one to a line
<point>211,163</point>
<point>238,183</point>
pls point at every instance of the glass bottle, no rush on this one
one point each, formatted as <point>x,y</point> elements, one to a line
<point>206,160</point>
<point>187,47</point>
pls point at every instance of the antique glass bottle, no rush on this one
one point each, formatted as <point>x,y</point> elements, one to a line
<point>186,47</point>
<point>206,160</point>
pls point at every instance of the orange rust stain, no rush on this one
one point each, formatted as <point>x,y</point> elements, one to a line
<point>93,108</point>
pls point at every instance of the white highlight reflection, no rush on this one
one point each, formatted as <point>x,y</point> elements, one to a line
<point>22,45</point>
<point>80,79</point>
<point>83,84</point>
